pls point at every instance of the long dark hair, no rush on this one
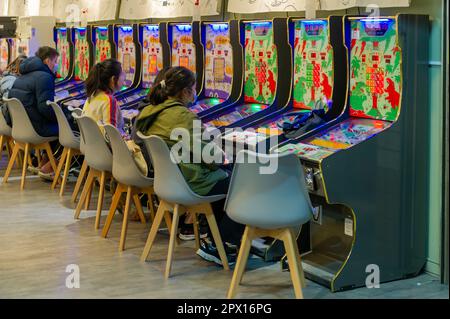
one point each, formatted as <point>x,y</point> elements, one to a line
<point>175,80</point>
<point>100,75</point>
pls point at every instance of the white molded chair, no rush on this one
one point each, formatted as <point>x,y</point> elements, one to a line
<point>25,138</point>
<point>70,140</point>
<point>5,136</point>
<point>270,205</point>
<point>175,194</point>
<point>98,158</point>
<point>130,181</point>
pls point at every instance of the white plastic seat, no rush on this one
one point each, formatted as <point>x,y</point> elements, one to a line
<point>98,158</point>
<point>5,136</point>
<point>175,194</point>
<point>25,138</point>
<point>70,141</point>
<point>130,181</point>
<point>270,205</point>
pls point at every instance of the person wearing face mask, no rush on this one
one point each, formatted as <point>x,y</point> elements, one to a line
<point>35,87</point>
<point>168,110</point>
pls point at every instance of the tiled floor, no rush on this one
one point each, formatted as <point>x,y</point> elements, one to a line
<point>39,238</point>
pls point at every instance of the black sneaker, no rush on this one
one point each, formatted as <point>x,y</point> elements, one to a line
<point>187,232</point>
<point>210,253</point>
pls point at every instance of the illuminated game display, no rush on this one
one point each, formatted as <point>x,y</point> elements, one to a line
<point>367,170</point>
<point>126,53</point>
<point>183,47</point>
<point>261,73</point>
<point>218,66</point>
<point>63,47</point>
<point>102,44</point>
<point>4,54</point>
<point>152,55</point>
<point>82,54</point>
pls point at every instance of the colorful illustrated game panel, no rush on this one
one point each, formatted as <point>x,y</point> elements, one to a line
<point>218,61</point>
<point>63,48</point>
<point>261,68</point>
<point>102,44</point>
<point>126,53</point>
<point>81,54</point>
<point>4,55</point>
<point>152,55</point>
<point>313,64</point>
<point>238,114</point>
<point>183,48</point>
<point>375,82</point>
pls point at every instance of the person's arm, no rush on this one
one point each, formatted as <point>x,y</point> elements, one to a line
<point>45,91</point>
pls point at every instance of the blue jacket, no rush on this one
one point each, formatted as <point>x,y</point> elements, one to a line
<point>34,88</point>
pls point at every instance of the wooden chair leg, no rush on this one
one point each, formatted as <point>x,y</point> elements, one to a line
<point>25,166</point>
<point>101,195</point>
<point>153,231</point>
<point>137,203</point>
<point>60,166</point>
<point>11,163</point>
<point>151,206</point>
<point>196,231</point>
<point>38,155</point>
<point>2,139</point>
<point>84,193</point>
<point>295,266</point>
<point>79,182</point>
<point>217,238</point>
<point>123,233</point>
<point>66,171</point>
<point>112,210</point>
<point>87,202</point>
<point>173,234</point>
<point>241,262</point>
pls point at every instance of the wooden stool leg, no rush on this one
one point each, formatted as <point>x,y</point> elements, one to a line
<point>60,166</point>
<point>79,182</point>
<point>112,210</point>
<point>66,171</point>
<point>196,230</point>
<point>84,193</point>
<point>153,231</point>
<point>24,168</point>
<point>123,234</point>
<point>241,262</point>
<point>173,235</point>
<point>216,235</point>
<point>101,195</point>
<point>11,163</point>
<point>295,266</point>
<point>137,203</point>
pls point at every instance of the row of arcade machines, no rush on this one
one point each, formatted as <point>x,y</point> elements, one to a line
<point>365,167</point>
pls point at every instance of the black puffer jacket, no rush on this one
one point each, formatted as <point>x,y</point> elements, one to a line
<point>34,88</point>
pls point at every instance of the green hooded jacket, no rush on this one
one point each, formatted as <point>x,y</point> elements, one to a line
<point>161,120</point>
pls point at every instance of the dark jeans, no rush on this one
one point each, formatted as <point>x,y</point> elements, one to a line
<point>230,231</point>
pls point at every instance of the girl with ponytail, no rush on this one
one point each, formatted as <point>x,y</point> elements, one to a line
<point>103,80</point>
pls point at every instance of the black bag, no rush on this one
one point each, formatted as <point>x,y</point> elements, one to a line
<point>5,113</point>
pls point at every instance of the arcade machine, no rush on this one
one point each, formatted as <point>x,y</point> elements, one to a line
<point>64,46</point>
<point>155,56</point>
<point>8,26</point>
<point>4,54</point>
<point>186,48</point>
<point>320,72</point>
<point>83,60</point>
<point>223,66</point>
<point>103,48</point>
<point>367,170</point>
<point>267,56</point>
<point>128,51</point>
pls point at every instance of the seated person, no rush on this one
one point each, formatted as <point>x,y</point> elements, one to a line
<point>7,79</point>
<point>35,87</point>
<point>168,110</point>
